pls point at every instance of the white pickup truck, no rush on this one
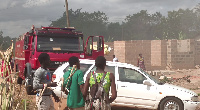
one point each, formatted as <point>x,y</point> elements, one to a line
<point>136,88</point>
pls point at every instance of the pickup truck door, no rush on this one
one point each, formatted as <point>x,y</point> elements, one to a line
<point>132,91</point>
<point>94,47</point>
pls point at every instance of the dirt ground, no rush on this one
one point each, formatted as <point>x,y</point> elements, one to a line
<point>189,79</point>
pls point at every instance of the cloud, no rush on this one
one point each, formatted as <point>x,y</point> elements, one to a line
<point>17,16</point>
<point>117,10</point>
<point>33,3</point>
<point>16,28</point>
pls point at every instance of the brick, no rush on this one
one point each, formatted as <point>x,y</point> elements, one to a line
<point>182,55</point>
<point>187,55</point>
<point>180,58</point>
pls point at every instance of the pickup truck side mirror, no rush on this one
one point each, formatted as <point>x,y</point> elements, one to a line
<point>146,82</point>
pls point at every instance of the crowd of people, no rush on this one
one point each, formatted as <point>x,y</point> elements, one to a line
<point>99,83</point>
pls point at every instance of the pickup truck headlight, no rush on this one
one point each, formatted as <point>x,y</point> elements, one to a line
<point>194,98</point>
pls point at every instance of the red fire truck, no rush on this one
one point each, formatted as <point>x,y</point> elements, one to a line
<point>59,43</point>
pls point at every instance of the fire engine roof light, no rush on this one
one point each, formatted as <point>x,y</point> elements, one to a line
<point>50,28</point>
<point>68,28</point>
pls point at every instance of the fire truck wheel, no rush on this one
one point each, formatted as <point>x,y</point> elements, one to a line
<point>19,80</point>
<point>29,90</point>
<point>29,87</point>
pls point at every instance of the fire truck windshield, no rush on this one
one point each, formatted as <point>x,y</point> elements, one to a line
<point>60,43</point>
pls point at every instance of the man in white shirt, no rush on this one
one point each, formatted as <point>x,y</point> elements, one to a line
<point>115,59</point>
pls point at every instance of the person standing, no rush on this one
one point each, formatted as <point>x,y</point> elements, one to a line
<point>140,62</point>
<point>108,81</point>
<point>74,83</point>
<point>115,59</point>
<point>41,82</point>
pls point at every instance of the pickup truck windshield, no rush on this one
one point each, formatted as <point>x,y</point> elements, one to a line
<point>60,44</point>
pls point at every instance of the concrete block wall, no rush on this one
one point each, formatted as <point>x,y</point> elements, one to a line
<point>134,48</point>
<point>155,53</point>
<point>158,54</point>
<point>169,55</point>
<point>119,50</point>
<point>180,54</point>
<point>197,52</point>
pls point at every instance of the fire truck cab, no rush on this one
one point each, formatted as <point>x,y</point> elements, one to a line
<point>59,43</point>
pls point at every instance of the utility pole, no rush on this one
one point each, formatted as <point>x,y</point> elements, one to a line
<point>67,15</point>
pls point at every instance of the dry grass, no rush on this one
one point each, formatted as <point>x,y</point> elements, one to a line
<point>12,95</point>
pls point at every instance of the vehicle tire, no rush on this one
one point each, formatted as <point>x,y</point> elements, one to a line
<point>29,87</point>
<point>28,83</point>
<point>19,80</point>
<point>171,103</point>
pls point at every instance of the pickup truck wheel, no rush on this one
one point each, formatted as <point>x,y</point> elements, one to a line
<point>19,80</point>
<point>171,103</point>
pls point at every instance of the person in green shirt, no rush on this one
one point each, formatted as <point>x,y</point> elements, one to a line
<point>73,83</point>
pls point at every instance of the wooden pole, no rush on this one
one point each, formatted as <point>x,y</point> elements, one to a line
<point>67,14</point>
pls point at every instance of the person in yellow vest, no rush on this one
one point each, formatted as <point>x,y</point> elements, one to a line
<point>140,62</point>
<point>107,81</point>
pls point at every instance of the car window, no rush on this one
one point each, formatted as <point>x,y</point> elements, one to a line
<point>83,68</point>
<point>110,69</point>
<point>65,70</point>
<point>152,78</point>
<point>130,75</point>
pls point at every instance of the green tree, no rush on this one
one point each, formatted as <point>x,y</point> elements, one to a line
<point>139,26</point>
<point>1,40</point>
<point>180,24</point>
<point>5,42</point>
<point>181,21</point>
<point>114,31</point>
<point>157,26</point>
<point>91,24</point>
<point>197,21</point>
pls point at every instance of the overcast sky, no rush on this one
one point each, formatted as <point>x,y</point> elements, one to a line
<point>17,16</point>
